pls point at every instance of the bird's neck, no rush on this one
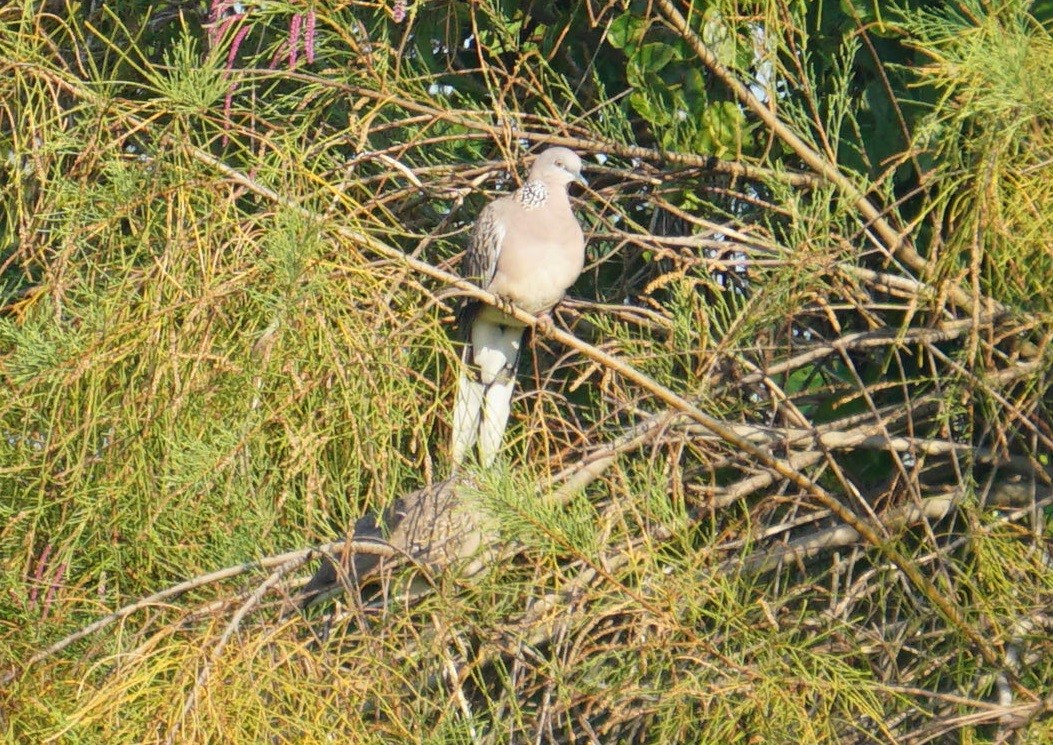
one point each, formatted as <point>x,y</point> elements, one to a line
<point>532,194</point>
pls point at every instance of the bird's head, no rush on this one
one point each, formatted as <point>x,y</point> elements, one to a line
<point>557,165</point>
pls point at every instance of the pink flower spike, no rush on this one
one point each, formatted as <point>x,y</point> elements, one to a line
<point>226,113</point>
<point>398,13</point>
<point>294,37</point>
<point>308,37</point>
<point>220,20</point>
<point>55,585</point>
<point>229,99</point>
<point>235,44</point>
<point>38,575</point>
<point>214,31</point>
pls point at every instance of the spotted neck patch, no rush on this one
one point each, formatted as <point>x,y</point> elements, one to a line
<point>532,194</point>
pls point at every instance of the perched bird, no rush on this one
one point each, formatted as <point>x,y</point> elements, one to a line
<point>433,527</point>
<point>528,249</point>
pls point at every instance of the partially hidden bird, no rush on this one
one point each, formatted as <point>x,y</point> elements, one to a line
<point>433,528</point>
<point>528,249</point>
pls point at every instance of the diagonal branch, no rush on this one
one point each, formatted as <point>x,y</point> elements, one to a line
<point>895,242</point>
<point>871,533</point>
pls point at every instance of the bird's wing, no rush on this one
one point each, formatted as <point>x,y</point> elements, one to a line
<point>481,257</point>
<point>432,526</point>
<point>484,244</point>
<point>353,567</point>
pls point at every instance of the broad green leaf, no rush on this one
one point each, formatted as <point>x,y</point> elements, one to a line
<point>654,56</point>
<point>625,30</point>
<point>723,124</point>
<point>694,88</point>
<point>718,39</point>
<point>650,109</point>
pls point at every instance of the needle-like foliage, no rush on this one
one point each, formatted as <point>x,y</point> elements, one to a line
<point>781,474</point>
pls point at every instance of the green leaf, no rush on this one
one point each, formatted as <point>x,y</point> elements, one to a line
<point>646,62</point>
<point>721,127</point>
<point>654,56</point>
<point>862,11</point>
<point>718,39</point>
<point>695,96</point>
<point>625,30</point>
<point>653,111</point>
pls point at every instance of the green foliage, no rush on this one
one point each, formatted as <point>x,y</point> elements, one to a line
<point>206,359</point>
<point>185,84</point>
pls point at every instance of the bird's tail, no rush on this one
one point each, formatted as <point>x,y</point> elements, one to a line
<point>484,390</point>
<point>467,409</point>
<point>496,406</point>
<point>331,575</point>
<point>345,567</point>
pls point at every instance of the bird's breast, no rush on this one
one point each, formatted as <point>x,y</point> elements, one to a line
<point>537,276</point>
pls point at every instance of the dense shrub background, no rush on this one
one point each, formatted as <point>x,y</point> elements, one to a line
<point>787,481</point>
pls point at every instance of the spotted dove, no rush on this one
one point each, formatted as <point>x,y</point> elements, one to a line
<point>434,527</point>
<point>526,248</point>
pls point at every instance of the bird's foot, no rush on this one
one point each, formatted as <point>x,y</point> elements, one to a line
<point>544,325</point>
<point>505,304</point>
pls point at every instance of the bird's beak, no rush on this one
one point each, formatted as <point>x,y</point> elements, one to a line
<point>581,180</point>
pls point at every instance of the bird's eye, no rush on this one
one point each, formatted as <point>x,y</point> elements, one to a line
<point>559,163</point>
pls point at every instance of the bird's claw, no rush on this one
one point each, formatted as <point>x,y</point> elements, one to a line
<point>505,304</point>
<point>544,325</point>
